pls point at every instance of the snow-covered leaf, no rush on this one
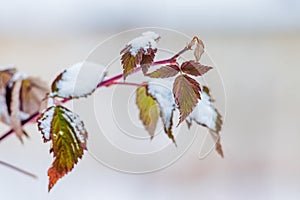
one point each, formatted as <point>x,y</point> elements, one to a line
<point>194,68</point>
<point>186,92</point>
<point>139,51</point>
<point>149,110</point>
<point>208,116</point>
<point>68,136</point>
<point>165,71</point>
<point>78,80</point>
<point>165,99</point>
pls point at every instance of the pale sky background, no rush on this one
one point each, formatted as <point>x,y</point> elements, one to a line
<point>77,16</point>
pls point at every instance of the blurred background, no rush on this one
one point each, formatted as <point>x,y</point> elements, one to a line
<point>255,45</point>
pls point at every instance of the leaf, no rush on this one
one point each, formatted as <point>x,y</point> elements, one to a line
<point>130,62</point>
<point>139,51</point>
<point>147,60</point>
<point>164,98</point>
<point>33,91</point>
<point>20,98</point>
<point>205,114</point>
<point>165,72</point>
<point>79,80</point>
<point>186,92</point>
<point>149,110</point>
<point>6,75</point>
<point>194,68</point>
<point>68,136</point>
<point>199,50</point>
<point>15,109</point>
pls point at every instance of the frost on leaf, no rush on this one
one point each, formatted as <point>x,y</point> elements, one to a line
<point>165,99</point>
<point>149,110</point>
<point>208,116</point>
<point>187,93</point>
<point>165,72</point>
<point>79,80</point>
<point>68,136</point>
<point>194,68</point>
<point>139,51</point>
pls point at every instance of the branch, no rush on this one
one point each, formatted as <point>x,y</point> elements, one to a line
<point>106,83</point>
<point>17,169</point>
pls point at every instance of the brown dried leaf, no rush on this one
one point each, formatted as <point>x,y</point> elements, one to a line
<point>199,50</point>
<point>187,93</point>
<point>149,110</point>
<point>194,68</point>
<point>33,92</point>
<point>15,109</point>
<point>165,72</point>
<point>5,77</point>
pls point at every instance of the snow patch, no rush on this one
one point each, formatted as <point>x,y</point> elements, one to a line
<point>204,113</point>
<point>79,80</point>
<point>5,68</point>
<point>165,99</point>
<point>45,122</point>
<point>146,41</point>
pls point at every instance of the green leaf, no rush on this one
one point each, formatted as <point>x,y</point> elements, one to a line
<point>68,136</point>
<point>187,93</point>
<point>149,110</point>
<point>194,68</point>
<point>165,72</point>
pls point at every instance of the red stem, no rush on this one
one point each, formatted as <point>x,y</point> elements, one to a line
<point>106,83</point>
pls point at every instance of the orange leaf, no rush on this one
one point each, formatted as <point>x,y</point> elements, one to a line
<point>68,136</point>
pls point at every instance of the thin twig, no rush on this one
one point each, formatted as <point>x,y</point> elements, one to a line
<point>18,169</point>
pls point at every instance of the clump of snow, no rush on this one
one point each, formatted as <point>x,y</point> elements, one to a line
<point>17,76</point>
<point>204,113</point>
<point>44,123</point>
<point>4,68</point>
<point>146,41</point>
<point>165,99</point>
<point>79,80</point>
